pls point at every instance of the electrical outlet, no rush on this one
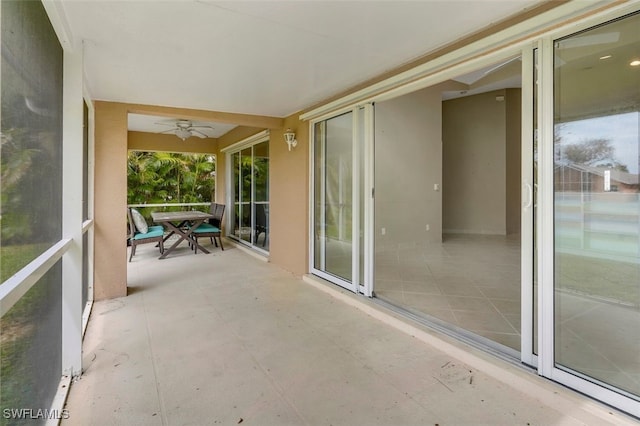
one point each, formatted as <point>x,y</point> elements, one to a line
<point>383,231</point>
<point>427,227</point>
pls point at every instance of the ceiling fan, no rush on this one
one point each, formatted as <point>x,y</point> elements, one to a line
<point>184,129</point>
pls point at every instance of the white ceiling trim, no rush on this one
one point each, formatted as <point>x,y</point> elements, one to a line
<point>60,23</point>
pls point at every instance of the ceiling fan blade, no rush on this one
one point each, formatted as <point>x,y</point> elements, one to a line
<point>169,131</point>
<point>201,127</point>
<point>197,133</point>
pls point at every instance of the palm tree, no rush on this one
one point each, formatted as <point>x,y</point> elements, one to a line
<point>163,177</point>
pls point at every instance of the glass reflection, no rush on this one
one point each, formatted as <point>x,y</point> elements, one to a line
<point>597,206</point>
<point>333,196</point>
<point>251,195</point>
<point>261,196</point>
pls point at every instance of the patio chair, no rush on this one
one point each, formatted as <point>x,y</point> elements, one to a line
<point>262,223</point>
<point>211,228</point>
<point>141,233</point>
<point>217,210</point>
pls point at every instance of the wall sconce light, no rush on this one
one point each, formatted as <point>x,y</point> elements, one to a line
<point>290,138</point>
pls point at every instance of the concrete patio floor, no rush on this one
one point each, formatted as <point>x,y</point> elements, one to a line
<point>225,338</point>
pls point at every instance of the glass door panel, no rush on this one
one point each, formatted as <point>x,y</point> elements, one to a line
<point>320,131</point>
<point>360,160</point>
<point>528,294</point>
<point>251,195</point>
<point>534,242</point>
<point>333,193</point>
<point>235,220</point>
<point>261,195</point>
<point>597,205</point>
<point>246,162</point>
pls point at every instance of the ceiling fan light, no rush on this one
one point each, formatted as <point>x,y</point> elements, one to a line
<point>183,134</point>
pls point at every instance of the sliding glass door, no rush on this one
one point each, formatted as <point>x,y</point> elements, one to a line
<point>333,197</point>
<point>250,195</point>
<point>596,139</point>
<point>339,198</point>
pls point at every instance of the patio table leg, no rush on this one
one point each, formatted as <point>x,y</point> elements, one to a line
<point>176,229</point>
<point>195,240</point>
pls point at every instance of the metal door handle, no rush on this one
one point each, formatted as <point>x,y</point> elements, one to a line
<point>530,196</point>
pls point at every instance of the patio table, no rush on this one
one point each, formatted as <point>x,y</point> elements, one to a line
<point>175,222</point>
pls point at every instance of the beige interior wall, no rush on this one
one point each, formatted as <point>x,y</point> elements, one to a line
<point>408,163</point>
<point>474,156</point>
<point>514,155</point>
<point>110,200</point>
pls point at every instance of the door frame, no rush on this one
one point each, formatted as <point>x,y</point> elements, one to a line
<point>361,146</point>
<point>545,218</point>
<point>527,209</point>
<point>249,142</point>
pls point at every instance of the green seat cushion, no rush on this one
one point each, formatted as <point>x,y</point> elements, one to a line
<point>156,228</point>
<point>150,234</point>
<point>206,228</point>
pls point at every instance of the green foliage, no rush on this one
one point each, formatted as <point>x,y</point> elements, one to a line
<point>164,177</point>
<point>15,257</point>
<point>15,167</point>
<point>26,330</point>
<point>30,186</point>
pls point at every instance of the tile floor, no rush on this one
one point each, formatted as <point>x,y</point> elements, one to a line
<point>227,339</point>
<point>473,282</point>
<point>469,281</point>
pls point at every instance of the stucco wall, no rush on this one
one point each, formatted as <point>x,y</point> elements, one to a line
<point>110,272</point>
<point>289,188</point>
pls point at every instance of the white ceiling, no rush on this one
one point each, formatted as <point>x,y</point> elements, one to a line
<point>260,57</point>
